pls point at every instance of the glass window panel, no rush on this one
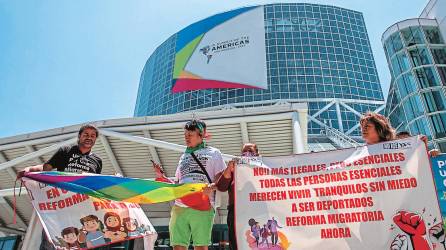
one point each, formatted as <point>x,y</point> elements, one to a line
<point>435,101</point>
<point>7,244</point>
<point>389,47</point>
<point>413,128</point>
<point>419,56</point>
<point>411,84</point>
<point>394,44</point>
<point>397,117</point>
<point>395,67</point>
<point>412,36</point>
<point>439,55</point>
<point>438,122</point>
<point>406,85</point>
<point>426,77</point>
<point>388,107</point>
<point>442,146</point>
<point>433,35</point>
<point>396,41</point>
<point>401,85</point>
<point>423,128</point>
<point>442,72</point>
<point>403,61</point>
<point>417,105</point>
<point>397,97</point>
<point>408,110</point>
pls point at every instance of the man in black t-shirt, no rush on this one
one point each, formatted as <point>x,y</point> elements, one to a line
<point>74,159</point>
<point>71,159</point>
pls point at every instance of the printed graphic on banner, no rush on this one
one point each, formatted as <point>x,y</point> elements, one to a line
<point>77,221</point>
<point>125,189</point>
<point>376,197</point>
<point>439,170</point>
<point>210,53</point>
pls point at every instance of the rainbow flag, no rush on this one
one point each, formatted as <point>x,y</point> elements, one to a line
<point>125,189</point>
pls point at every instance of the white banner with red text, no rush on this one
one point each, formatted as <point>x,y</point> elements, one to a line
<point>380,196</point>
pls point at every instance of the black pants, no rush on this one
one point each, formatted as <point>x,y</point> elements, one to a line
<point>231,228</point>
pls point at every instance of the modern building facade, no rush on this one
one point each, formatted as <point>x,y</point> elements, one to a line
<point>316,54</point>
<point>416,54</point>
<point>435,9</point>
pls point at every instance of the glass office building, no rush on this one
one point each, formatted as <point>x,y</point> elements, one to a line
<point>316,54</point>
<point>416,54</point>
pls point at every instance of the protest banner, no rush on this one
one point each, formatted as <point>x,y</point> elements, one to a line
<point>380,196</point>
<point>439,170</point>
<point>78,221</point>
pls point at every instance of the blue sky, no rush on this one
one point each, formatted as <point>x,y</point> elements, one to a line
<point>69,62</point>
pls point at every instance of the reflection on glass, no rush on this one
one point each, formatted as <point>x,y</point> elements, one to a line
<point>417,105</point>
<point>419,56</point>
<point>395,67</point>
<point>401,85</point>
<point>420,127</point>
<point>402,90</point>
<point>406,85</point>
<point>413,128</point>
<point>394,44</point>
<point>442,146</point>
<point>423,127</point>
<point>408,110</point>
<point>397,118</point>
<point>389,47</point>
<point>388,107</point>
<point>411,84</point>
<point>7,244</point>
<point>396,97</point>
<point>442,72</point>
<point>412,36</point>
<point>396,41</point>
<point>433,35</point>
<point>435,101</point>
<point>293,24</point>
<point>403,61</point>
<point>439,55</point>
<point>438,122</point>
<point>427,77</point>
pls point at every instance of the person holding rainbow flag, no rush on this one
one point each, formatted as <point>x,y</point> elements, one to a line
<point>192,216</point>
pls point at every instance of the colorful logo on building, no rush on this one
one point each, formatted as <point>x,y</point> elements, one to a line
<point>226,50</point>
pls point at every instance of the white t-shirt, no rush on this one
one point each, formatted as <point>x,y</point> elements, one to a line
<point>188,170</point>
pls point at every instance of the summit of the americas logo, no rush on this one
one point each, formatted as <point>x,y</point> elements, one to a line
<point>210,50</point>
<point>205,50</point>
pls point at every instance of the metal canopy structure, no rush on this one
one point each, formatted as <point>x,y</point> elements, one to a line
<point>126,146</point>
